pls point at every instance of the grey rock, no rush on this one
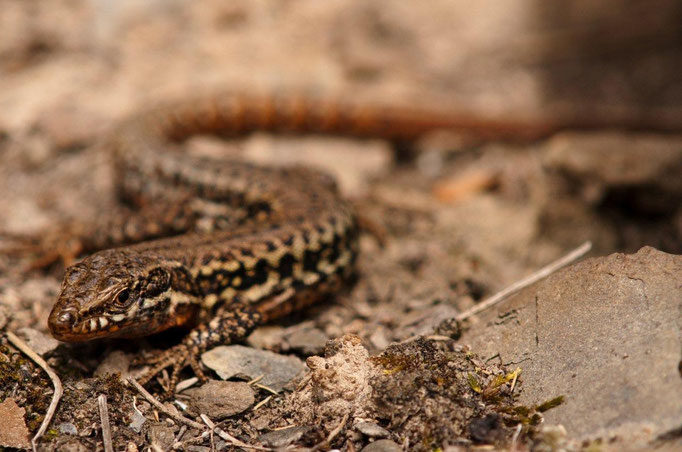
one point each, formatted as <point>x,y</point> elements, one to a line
<point>137,421</point>
<point>382,445</point>
<point>40,343</point>
<point>309,341</point>
<point>284,437</point>
<point>372,430</point>
<point>67,428</point>
<point>160,436</point>
<point>114,362</point>
<point>231,360</point>
<point>605,333</point>
<point>221,399</point>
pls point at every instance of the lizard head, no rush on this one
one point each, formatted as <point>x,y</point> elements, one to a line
<point>116,293</point>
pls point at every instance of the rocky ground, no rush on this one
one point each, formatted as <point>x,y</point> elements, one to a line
<point>587,358</point>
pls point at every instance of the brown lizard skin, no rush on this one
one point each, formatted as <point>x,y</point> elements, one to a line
<point>228,245</point>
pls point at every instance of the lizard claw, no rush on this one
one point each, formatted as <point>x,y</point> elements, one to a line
<point>179,357</point>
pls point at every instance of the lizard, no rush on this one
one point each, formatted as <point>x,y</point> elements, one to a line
<point>274,241</point>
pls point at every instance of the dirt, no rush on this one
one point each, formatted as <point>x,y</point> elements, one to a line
<point>461,218</point>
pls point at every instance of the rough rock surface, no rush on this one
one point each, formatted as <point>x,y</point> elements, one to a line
<point>13,432</point>
<point>606,333</point>
<point>221,398</point>
<point>276,370</point>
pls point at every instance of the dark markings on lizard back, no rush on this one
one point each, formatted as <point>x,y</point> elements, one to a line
<point>289,237</point>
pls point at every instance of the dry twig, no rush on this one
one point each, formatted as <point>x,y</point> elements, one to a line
<point>23,347</point>
<point>332,434</point>
<point>159,406</point>
<point>262,402</point>
<point>226,436</point>
<point>106,427</point>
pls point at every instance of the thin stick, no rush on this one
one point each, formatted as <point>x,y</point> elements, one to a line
<point>21,345</point>
<point>332,434</point>
<point>159,406</point>
<point>185,384</point>
<point>266,388</point>
<point>515,437</point>
<point>106,427</point>
<point>517,286</point>
<point>516,377</point>
<point>262,402</point>
<point>226,436</point>
<point>256,380</point>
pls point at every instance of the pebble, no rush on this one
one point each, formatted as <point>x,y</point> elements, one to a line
<point>115,362</point>
<point>160,436</point>
<point>67,428</point>
<point>284,437</point>
<point>382,445</point>
<point>308,341</point>
<point>372,430</point>
<point>221,399</point>
<point>137,421</point>
<point>39,342</point>
<point>231,360</point>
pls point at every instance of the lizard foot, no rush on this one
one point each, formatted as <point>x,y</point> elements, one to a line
<point>179,357</point>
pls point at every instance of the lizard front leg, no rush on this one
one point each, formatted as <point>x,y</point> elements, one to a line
<point>230,324</point>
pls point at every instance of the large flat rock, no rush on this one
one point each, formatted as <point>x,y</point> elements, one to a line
<point>607,334</point>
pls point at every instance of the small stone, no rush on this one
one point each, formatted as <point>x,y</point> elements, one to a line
<point>383,445</point>
<point>379,339</point>
<point>284,437</point>
<point>67,428</point>
<point>231,360</point>
<point>221,399</point>
<point>308,341</point>
<point>267,337</point>
<point>372,430</point>
<point>160,436</point>
<point>138,421</point>
<point>114,362</point>
<point>82,386</point>
<point>14,432</point>
<point>261,422</point>
<point>195,448</point>
<point>39,342</point>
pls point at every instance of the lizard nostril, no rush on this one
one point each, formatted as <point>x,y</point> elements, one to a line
<point>65,319</point>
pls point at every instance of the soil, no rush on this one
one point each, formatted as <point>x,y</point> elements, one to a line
<point>458,218</point>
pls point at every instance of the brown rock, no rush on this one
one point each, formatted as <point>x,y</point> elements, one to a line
<point>220,399</point>
<point>13,432</point>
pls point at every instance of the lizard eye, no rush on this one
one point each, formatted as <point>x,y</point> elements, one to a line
<point>123,298</point>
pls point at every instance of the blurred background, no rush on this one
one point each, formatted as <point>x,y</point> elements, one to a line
<point>70,68</point>
<point>619,60</point>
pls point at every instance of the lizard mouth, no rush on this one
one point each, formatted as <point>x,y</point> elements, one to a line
<point>66,325</point>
